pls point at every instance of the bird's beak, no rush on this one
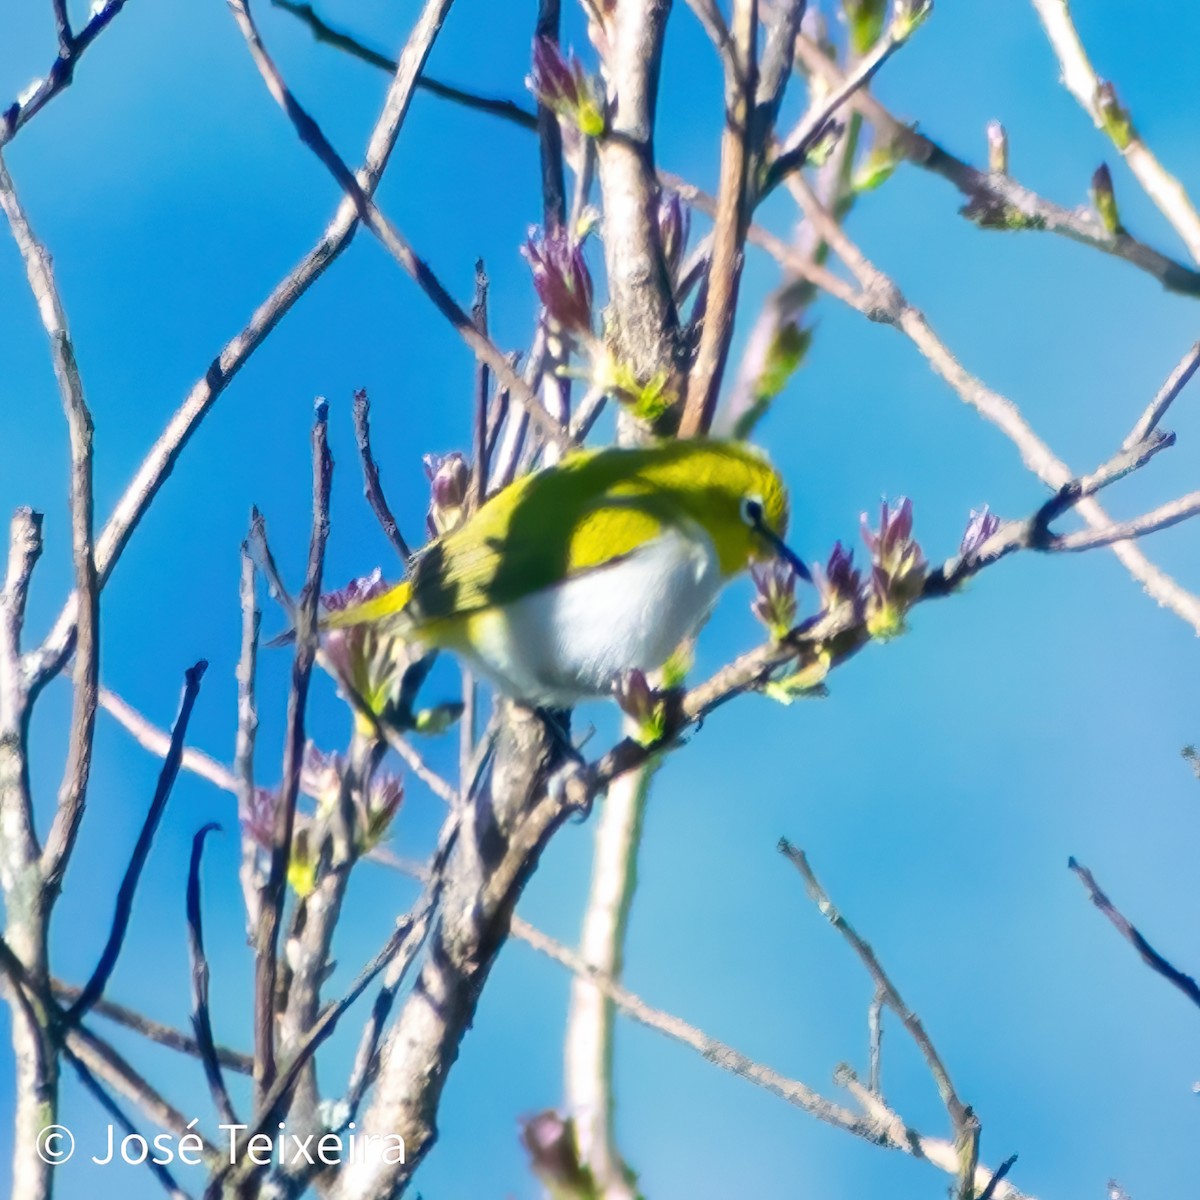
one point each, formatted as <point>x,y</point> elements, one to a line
<point>784,551</point>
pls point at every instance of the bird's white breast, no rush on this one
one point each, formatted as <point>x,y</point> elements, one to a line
<point>572,640</point>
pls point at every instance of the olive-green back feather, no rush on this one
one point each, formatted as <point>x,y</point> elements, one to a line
<point>589,510</point>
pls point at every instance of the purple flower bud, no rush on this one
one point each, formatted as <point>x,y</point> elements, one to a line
<point>838,582</point>
<point>982,524</point>
<point>561,279</point>
<point>383,802</point>
<point>634,694</point>
<point>365,587</point>
<point>258,821</point>
<point>553,1154</point>
<point>449,481</point>
<point>367,658</point>
<point>642,704</point>
<point>321,776</point>
<point>774,603</point>
<point>561,83</point>
<point>897,568</point>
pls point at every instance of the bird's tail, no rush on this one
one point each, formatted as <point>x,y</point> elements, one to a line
<point>386,608</point>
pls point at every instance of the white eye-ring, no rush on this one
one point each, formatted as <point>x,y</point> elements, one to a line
<point>751,509</point>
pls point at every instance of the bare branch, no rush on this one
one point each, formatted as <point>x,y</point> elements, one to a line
<point>73,790</point>
<point>94,988</point>
<point>1162,517</point>
<point>241,780</point>
<point>1099,101</point>
<point>875,1043</point>
<point>645,327</point>
<point>479,426</point>
<point>1148,422</point>
<point>713,22</point>
<point>157,465</point>
<point>114,1110</point>
<point>402,944</point>
<point>588,1044</point>
<point>994,199</point>
<point>151,738</point>
<point>154,1031</point>
<point>1151,957</point>
<point>729,229</point>
<point>881,300</point>
<point>201,1017</point>
<point>909,1019</point>
<point>395,243</point>
<point>18,836</point>
<point>506,110</point>
<point>61,72</point>
<point>793,154</point>
<point>266,936</point>
<point>991,1191</point>
<point>878,1125</point>
<point>106,1063</point>
<point>372,488</point>
<point>486,865</point>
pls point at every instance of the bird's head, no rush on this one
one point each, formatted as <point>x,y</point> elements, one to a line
<point>732,491</point>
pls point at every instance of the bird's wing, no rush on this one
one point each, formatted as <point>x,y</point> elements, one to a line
<point>576,517</point>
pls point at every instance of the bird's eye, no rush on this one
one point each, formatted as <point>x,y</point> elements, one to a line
<point>752,511</point>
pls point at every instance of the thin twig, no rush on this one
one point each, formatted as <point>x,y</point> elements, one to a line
<point>61,72</point>
<point>1099,101</point>
<point>1151,957</point>
<point>875,1043</point>
<point>396,244</point>
<point>372,487</point>
<point>273,891</point>
<point>99,1055</point>
<point>94,988</point>
<point>1148,422</point>
<point>892,1133</point>
<point>72,792</point>
<point>730,221</point>
<point>243,785</point>
<point>19,847</point>
<point>506,110</point>
<point>154,1031</point>
<point>908,1018</point>
<point>105,1062</point>
<point>201,1016</point>
<point>712,20</point>
<point>1162,517</point>
<point>588,1084</point>
<point>479,406</point>
<point>135,501</point>
<point>994,199</point>
<point>437,784</point>
<point>793,154</point>
<point>990,1192</point>
<point>62,26</point>
<point>158,742</point>
<point>114,1110</point>
<point>881,300</point>
<point>268,1108</point>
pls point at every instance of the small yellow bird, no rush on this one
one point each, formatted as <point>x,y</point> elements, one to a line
<point>580,572</point>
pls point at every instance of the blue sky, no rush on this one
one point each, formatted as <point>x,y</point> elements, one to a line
<point>939,789</point>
